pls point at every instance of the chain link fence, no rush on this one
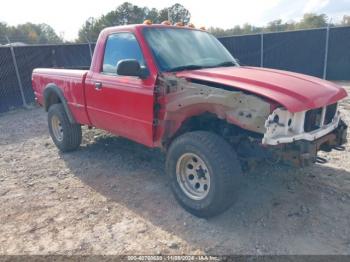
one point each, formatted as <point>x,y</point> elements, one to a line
<point>17,62</point>
<point>321,52</point>
<point>10,92</point>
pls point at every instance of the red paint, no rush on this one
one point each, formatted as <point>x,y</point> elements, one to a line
<point>295,91</point>
<point>125,105</point>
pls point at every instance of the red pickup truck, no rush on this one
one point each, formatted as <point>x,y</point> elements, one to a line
<point>179,89</point>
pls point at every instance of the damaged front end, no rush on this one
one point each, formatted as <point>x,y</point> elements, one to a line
<point>302,153</point>
<point>297,137</point>
<point>179,100</point>
<point>256,127</point>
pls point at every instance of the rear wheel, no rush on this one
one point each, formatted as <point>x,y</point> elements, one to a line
<point>204,172</point>
<point>65,135</point>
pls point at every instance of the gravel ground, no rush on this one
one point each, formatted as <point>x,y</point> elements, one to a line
<point>112,197</point>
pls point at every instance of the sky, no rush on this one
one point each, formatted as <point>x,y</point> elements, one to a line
<point>67,16</point>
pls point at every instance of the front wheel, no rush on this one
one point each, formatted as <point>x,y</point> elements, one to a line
<point>204,171</point>
<point>65,135</point>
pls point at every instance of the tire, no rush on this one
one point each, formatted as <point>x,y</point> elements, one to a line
<point>66,136</point>
<point>221,168</point>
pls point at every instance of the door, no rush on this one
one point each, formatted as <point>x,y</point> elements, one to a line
<point>122,105</point>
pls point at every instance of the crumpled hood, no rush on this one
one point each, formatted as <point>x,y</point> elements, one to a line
<point>296,92</point>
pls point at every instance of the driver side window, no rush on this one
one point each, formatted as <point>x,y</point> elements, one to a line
<point>121,46</point>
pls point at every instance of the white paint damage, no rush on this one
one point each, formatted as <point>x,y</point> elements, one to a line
<point>245,110</point>
<point>290,127</point>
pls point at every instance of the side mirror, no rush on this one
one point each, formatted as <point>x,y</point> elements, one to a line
<point>130,67</point>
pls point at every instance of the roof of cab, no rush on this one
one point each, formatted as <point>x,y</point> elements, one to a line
<point>141,26</point>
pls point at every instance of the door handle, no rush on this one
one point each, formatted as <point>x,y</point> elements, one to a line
<point>98,86</point>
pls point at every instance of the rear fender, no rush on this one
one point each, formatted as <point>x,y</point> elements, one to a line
<point>53,90</point>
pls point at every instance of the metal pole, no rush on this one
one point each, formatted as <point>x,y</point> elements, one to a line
<point>17,72</point>
<point>262,50</point>
<point>169,15</point>
<point>326,51</point>
<point>90,48</point>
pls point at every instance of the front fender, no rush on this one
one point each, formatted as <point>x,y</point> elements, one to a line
<point>187,99</point>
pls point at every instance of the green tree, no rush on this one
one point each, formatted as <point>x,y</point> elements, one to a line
<point>128,13</point>
<point>48,35</point>
<point>276,26</point>
<point>178,13</point>
<point>87,32</point>
<point>30,33</point>
<point>217,31</point>
<point>3,28</point>
<point>346,20</point>
<point>308,21</point>
<point>163,15</point>
<point>311,20</point>
<point>237,30</point>
<point>291,25</point>
<point>152,14</point>
<point>3,33</point>
<point>249,29</point>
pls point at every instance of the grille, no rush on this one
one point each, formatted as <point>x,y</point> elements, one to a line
<point>330,113</point>
<point>313,119</point>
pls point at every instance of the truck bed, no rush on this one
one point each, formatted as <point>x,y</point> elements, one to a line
<point>70,82</point>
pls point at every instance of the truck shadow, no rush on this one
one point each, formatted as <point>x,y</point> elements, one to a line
<point>275,206</point>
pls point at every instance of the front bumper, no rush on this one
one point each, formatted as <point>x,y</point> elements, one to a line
<point>302,153</point>
<point>290,127</point>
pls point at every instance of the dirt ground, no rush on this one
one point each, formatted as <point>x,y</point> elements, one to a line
<point>112,197</point>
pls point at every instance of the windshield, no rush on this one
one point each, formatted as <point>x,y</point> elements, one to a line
<point>177,49</point>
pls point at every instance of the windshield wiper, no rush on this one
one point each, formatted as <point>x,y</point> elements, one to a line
<point>194,67</point>
<point>227,63</point>
<point>186,67</point>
